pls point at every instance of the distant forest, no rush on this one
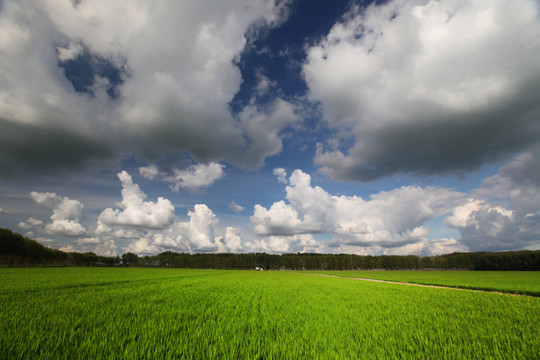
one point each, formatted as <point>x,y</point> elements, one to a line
<point>17,250</point>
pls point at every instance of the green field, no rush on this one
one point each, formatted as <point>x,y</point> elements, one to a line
<point>136,313</point>
<point>513,282</point>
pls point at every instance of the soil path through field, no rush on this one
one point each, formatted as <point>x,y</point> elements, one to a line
<point>421,285</point>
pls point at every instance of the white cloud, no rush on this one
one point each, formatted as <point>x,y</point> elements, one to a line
<point>30,223</point>
<point>194,177</point>
<point>165,241</point>
<point>143,247</point>
<point>423,248</point>
<point>483,226</point>
<point>281,174</point>
<point>388,219</point>
<point>504,213</point>
<point>87,241</point>
<point>144,227</point>
<point>200,228</point>
<point>70,53</point>
<point>199,234</point>
<point>232,241</point>
<point>42,240</point>
<point>106,248</point>
<point>264,84</point>
<point>427,87</point>
<point>303,243</point>
<point>12,35</point>
<point>235,207</point>
<point>263,127</point>
<point>135,211</point>
<point>117,232</point>
<point>65,227</point>
<point>177,62</point>
<point>280,219</point>
<point>68,248</point>
<point>66,216</point>
<point>149,172</point>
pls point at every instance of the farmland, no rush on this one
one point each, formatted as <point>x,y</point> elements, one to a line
<point>513,282</point>
<point>172,313</point>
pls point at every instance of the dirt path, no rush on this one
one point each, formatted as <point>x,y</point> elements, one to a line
<point>421,285</point>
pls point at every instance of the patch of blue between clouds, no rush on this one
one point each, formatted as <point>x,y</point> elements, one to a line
<point>279,54</point>
<point>83,70</point>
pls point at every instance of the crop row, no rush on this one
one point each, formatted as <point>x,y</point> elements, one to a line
<point>513,282</point>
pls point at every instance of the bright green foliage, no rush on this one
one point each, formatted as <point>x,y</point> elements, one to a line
<point>128,313</point>
<point>514,282</point>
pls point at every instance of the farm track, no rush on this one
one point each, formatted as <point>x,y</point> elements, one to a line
<point>424,285</point>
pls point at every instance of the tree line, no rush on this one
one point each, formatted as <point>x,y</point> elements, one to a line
<point>17,250</point>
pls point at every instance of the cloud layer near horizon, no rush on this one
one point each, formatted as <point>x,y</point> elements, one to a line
<point>502,214</point>
<point>388,220</point>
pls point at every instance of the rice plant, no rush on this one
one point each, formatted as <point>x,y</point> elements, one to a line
<point>84,313</point>
<point>513,282</point>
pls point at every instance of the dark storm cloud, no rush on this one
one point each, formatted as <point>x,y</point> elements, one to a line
<point>452,146</point>
<point>34,149</point>
<point>524,169</point>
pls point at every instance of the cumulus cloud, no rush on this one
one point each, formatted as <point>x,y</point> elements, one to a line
<point>281,174</point>
<point>196,235</point>
<point>143,246</point>
<point>107,248</point>
<point>388,219</point>
<point>71,52</point>
<point>149,172</point>
<point>139,94</point>
<point>423,248</point>
<point>30,223</point>
<point>135,210</point>
<point>483,225</point>
<point>232,241</point>
<point>68,248</point>
<point>264,84</point>
<point>66,216</point>
<point>504,213</point>
<point>200,228</point>
<point>263,127</point>
<point>427,87</point>
<point>235,207</point>
<point>304,243</point>
<point>148,228</point>
<point>87,241</point>
<point>194,177</point>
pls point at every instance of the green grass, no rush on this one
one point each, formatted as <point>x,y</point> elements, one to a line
<point>514,282</point>
<point>84,313</point>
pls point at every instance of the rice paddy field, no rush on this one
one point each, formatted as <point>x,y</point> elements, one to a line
<point>514,282</point>
<point>137,313</point>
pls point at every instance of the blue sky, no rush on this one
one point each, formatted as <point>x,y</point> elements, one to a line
<point>388,127</point>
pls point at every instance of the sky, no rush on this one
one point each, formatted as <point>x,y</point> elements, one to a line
<point>362,127</point>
